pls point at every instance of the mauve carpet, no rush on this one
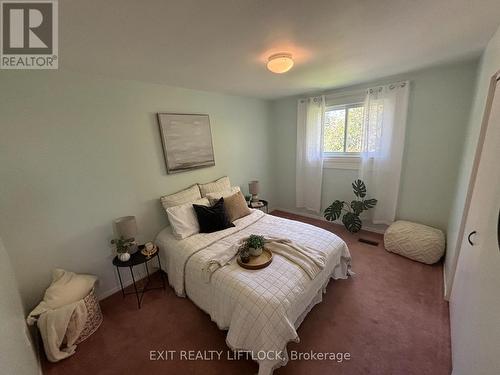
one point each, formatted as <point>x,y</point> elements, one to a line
<point>390,317</point>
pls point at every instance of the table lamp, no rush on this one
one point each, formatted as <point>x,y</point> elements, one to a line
<point>126,228</point>
<point>253,188</point>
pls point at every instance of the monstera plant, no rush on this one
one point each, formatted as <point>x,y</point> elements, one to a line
<point>351,212</point>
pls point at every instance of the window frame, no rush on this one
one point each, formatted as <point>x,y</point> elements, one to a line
<point>345,159</point>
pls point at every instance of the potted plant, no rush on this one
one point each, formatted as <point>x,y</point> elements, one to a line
<point>244,253</point>
<point>255,244</point>
<point>122,247</point>
<point>351,212</point>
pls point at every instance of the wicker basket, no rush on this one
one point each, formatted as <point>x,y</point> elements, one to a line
<point>94,318</point>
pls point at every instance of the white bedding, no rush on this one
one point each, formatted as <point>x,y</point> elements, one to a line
<point>261,309</point>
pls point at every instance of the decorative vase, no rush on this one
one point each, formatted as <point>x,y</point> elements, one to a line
<point>124,256</point>
<point>255,252</point>
<point>245,259</point>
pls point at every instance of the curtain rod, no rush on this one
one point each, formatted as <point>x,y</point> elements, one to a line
<point>345,93</point>
<point>336,94</point>
<point>360,91</point>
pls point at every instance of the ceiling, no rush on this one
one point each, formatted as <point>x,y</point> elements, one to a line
<point>223,45</point>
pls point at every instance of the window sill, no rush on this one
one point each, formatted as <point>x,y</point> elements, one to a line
<point>342,162</point>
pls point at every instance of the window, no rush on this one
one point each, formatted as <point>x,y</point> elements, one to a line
<point>343,129</point>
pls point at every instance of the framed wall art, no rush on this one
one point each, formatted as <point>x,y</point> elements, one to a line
<point>187,141</point>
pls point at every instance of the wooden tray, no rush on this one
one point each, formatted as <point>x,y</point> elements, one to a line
<point>255,263</point>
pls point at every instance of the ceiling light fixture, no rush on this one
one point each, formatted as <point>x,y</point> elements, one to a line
<point>280,63</point>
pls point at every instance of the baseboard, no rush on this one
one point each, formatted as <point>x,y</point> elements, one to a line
<point>109,292</point>
<point>126,283</point>
<point>445,285</point>
<point>367,227</point>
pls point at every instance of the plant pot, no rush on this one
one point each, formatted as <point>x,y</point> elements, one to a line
<point>255,252</point>
<point>124,256</point>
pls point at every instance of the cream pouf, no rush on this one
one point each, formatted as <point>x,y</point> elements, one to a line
<point>415,241</point>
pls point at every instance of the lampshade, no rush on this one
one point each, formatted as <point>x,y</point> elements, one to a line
<point>280,63</point>
<point>253,187</point>
<point>126,227</point>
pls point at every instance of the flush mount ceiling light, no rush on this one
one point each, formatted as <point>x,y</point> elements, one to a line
<point>280,63</point>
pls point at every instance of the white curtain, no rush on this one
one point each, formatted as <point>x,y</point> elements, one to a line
<point>309,167</point>
<point>384,127</point>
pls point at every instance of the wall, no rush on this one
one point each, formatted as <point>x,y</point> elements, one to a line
<point>439,106</point>
<point>17,354</point>
<point>77,151</point>
<point>489,65</point>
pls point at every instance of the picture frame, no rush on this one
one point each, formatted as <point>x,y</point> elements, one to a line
<point>186,140</point>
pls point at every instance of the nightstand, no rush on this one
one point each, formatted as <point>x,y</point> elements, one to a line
<point>264,207</point>
<point>136,259</point>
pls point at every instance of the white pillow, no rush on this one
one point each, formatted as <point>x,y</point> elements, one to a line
<point>184,196</point>
<point>221,184</point>
<point>66,287</point>
<point>183,219</point>
<point>214,197</point>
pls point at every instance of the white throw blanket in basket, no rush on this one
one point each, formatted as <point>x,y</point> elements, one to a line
<point>62,299</point>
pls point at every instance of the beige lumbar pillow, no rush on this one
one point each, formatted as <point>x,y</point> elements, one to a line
<point>214,197</point>
<point>236,206</point>
<point>221,184</point>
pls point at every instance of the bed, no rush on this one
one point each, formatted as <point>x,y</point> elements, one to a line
<point>260,309</point>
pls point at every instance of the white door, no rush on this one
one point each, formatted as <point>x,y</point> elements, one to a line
<point>475,298</point>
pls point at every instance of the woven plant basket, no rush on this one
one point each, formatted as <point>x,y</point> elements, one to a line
<point>94,318</point>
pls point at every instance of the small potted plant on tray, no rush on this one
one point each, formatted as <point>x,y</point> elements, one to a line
<point>255,244</point>
<point>244,253</point>
<point>122,247</point>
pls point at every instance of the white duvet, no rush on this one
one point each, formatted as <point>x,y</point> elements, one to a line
<point>261,309</point>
